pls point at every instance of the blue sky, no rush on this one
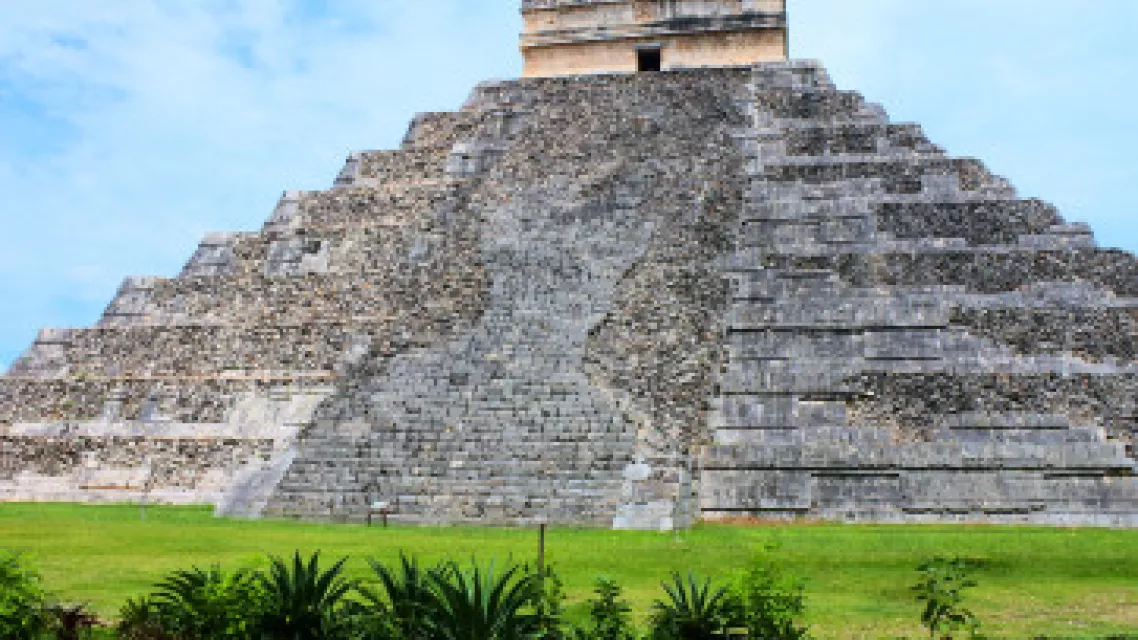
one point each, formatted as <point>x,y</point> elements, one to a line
<point>129,128</point>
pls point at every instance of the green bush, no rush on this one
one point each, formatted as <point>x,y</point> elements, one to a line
<point>693,611</point>
<point>406,602</point>
<point>303,602</point>
<point>139,620</point>
<point>22,615</point>
<point>772,601</point>
<point>549,604</point>
<point>195,604</point>
<point>479,604</point>
<point>609,614</point>
<point>208,603</point>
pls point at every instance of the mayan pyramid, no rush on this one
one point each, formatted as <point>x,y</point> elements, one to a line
<point>667,275</point>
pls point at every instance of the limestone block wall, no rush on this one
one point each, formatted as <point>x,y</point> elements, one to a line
<point>601,218</point>
<point>910,341</point>
<point>677,52</point>
<point>978,222</point>
<point>615,300</point>
<point>122,468</point>
<point>253,334</point>
<point>576,38</point>
<point>205,400</point>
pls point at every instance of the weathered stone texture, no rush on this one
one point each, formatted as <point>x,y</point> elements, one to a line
<point>621,300</point>
<point>542,406</point>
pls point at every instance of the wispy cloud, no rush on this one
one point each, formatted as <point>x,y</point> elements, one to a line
<point>130,128</point>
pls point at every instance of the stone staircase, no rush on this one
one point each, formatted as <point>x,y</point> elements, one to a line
<point>823,326</point>
<point>626,301</point>
<point>519,417</point>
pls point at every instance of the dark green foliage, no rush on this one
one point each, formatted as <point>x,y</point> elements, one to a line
<point>693,611</point>
<point>549,604</point>
<point>407,598</point>
<point>21,600</point>
<point>941,587</point>
<point>139,620</point>
<point>362,620</point>
<point>302,602</point>
<point>477,604</point>
<point>609,614</point>
<point>772,601</point>
<point>206,603</point>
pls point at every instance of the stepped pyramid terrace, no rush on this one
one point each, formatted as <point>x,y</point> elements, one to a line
<point>668,275</point>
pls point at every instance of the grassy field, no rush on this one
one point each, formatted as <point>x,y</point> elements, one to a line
<point>1034,581</point>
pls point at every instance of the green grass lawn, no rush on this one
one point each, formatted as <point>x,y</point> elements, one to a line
<point>1034,581</point>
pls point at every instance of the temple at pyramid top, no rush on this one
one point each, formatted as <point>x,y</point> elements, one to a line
<point>570,37</point>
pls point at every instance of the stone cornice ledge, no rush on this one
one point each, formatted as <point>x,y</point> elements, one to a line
<point>544,5</point>
<point>669,27</point>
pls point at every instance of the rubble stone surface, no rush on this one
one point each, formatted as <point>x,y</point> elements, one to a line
<point>615,300</point>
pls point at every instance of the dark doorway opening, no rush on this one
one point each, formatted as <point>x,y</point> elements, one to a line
<point>648,59</point>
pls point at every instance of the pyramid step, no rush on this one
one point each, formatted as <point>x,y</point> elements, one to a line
<point>854,137</point>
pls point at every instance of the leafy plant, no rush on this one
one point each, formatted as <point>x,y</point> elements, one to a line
<point>549,603</point>
<point>477,604</point>
<point>361,620</point>
<point>139,620</point>
<point>694,611</point>
<point>772,601</point>
<point>21,600</point>
<point>302,602</point>
<point>941,587</point>
<point>407,600</point>
<point>206,603</point>
<point>608,614</point>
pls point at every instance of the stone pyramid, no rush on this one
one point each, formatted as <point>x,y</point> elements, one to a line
<point>615,299</point>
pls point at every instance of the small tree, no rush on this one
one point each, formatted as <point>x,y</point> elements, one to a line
<point>772,601</point>
<point>941,588</point>
<point>549,603</point>
<point>22,614</point>
<point>608,614</point>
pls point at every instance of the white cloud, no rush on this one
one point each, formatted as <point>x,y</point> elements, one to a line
<point>168,119</point>
<point>145,123</point>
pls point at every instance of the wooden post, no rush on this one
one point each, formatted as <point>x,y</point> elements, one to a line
<point>541,551</point>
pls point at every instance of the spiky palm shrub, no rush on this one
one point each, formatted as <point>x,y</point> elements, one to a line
<point>407,598</point>
<point>477,604</point>
<point>139,620</point>
<point>205,603</point>
<point>693,611</point>
<point>302,602</point>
